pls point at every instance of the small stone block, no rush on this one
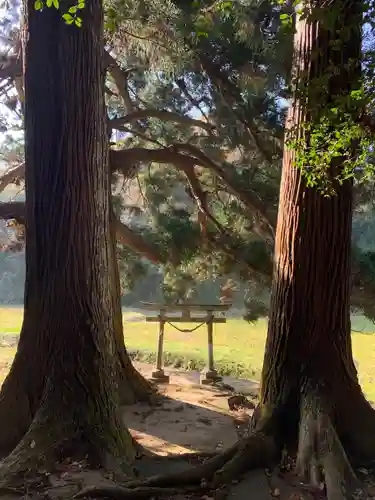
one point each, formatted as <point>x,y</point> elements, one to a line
<point>159,377</point>
<point>210,377</point>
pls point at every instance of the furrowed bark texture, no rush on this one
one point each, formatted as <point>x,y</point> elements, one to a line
<point>133,386</point>
<point>65,367</point>
<point>309,325</point>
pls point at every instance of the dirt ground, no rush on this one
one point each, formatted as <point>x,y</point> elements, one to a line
<point>191,416</point>
<point>187,417</point>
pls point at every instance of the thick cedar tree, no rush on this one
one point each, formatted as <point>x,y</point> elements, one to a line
<point>309,377</point>
<point>310,394</point>
<point>61,395</point>
<point>311,402</point>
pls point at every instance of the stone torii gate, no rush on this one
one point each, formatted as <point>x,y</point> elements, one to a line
<point>187,313</point>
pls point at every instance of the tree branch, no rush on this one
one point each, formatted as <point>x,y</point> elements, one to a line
<point>11,175</point>
<point>127,159</point>
<point>120,78</point>
<point>124,160</point>
<point>362,293</point>
<point>11,69</point>
<point>142,135</point>
<point>166,155</point>
<point>232,97</point>
<point>128,237</point>
<point>248,198</point>
<point>182,86</point>
<point>161,115</point>
<point>199,196</point>
<point>133,240</point>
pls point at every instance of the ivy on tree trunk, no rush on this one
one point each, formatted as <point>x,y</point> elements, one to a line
<point>309,380</point>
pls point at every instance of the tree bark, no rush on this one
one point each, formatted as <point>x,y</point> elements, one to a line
<point>133,387</point>
<point>65,367</point>
<point>308,344</point>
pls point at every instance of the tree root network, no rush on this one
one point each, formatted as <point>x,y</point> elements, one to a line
<point>321,461</point>
<point>255,451</point>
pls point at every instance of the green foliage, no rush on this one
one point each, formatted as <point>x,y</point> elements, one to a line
<point>255,309</point>
<point>336,136</point>
<point>331,143</point>
<point>165,43</point>
<point>71,16</point>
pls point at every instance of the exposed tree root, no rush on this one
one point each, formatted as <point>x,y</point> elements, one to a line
<point>321,457</point>
<point>321,460</point>
<point>120,493</point>
<point>255,451</point>
<point>191,476</point>
<point>49,441</point>
<point>133,387</point>
<point>17,396</point>
<point>184,457</point>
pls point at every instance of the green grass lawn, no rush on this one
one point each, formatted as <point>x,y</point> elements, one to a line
<point>238,346</point>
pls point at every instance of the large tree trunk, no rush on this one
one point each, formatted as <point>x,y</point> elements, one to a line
<point>133,386</point>
<point>309,377</point>
<point>309,325</point>
<point>65,371</point>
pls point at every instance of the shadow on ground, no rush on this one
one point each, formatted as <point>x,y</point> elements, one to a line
<point>188,416</point>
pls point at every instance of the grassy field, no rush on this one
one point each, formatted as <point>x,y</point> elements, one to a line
<point>238,346</point>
